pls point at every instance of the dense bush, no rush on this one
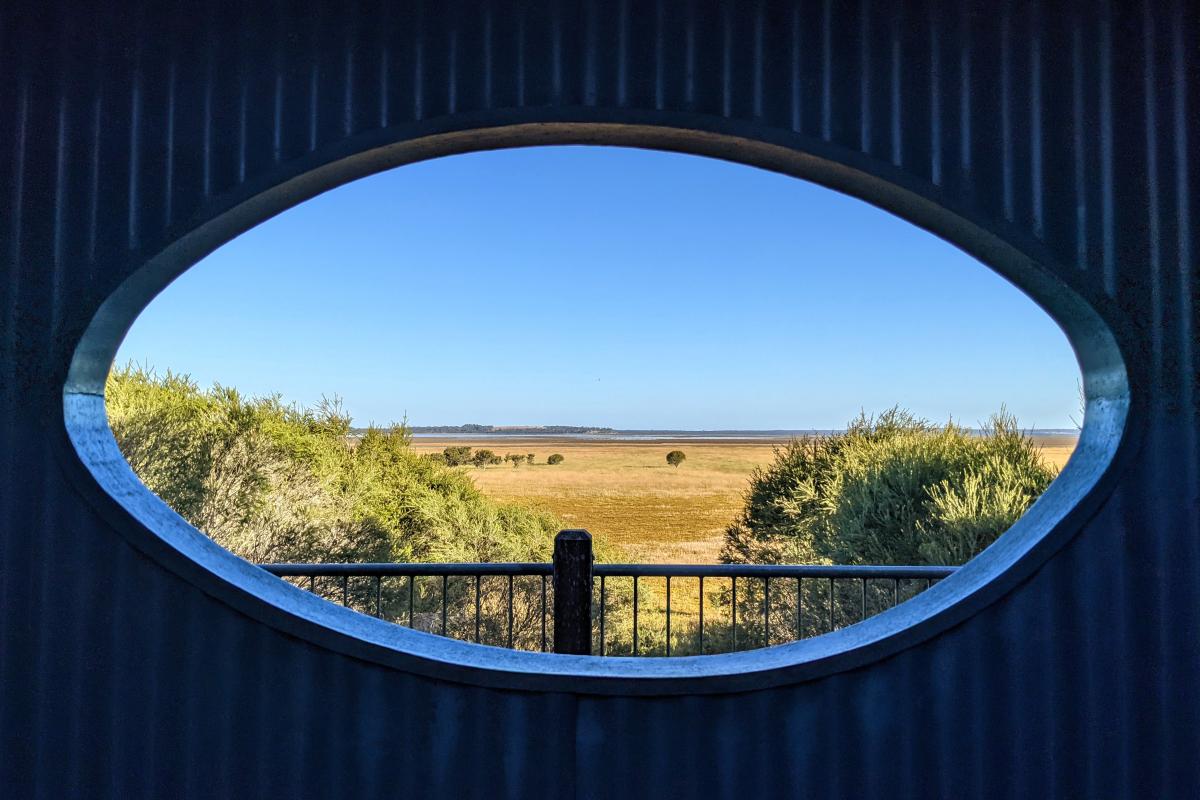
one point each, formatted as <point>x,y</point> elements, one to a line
<point>484,457</point>
<point>555,458</point>
<point>457,456</point>
<point>274,482</point>
<point>890,490</point>
<point>676,457</point>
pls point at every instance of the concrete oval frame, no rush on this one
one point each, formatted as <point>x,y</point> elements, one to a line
<point>151,526</point>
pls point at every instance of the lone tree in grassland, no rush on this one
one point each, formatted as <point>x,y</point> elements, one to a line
<point>555,458</point>
<point>457,456</point>
<point>483,457</point>
<point>676,457</point>
<point>529,457</point>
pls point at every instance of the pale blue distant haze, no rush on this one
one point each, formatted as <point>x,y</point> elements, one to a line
<point>607,286</point>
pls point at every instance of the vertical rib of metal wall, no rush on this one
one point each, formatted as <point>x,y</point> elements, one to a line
<point>1073,125</point>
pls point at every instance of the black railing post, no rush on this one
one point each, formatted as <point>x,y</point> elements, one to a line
<point>573,592</point>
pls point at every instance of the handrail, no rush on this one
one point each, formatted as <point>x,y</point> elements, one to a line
<point>410,568</point>
<point>870,571</point>
<point>859,571</point>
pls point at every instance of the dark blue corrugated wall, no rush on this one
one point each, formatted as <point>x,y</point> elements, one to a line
<point>1073,128</point>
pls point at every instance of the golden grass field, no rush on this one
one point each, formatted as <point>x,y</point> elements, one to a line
<point>626,494</point>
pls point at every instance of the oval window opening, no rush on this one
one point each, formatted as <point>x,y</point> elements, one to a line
<point>778,410</point>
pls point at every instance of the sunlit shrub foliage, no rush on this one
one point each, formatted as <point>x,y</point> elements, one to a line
<point>275,482</point>
<point>892,489</point>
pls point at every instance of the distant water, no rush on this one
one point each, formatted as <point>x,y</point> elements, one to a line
<point>635,436</point>
<point>616,437</point>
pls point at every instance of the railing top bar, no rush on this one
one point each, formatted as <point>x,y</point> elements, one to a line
<point>772,571</point>
<point>420,570</point>
<point>618,570</point>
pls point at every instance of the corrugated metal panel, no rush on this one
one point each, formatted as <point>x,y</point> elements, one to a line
<point>1071,127</point>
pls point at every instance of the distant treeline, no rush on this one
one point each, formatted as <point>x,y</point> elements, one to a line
<point>724,433</point>
<point>461,456</point>
<point>508,430</point>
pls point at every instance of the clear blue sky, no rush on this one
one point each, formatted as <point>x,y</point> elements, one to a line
<point>607,286</point>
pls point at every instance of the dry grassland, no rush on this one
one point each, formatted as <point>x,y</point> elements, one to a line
<point>626,494</point>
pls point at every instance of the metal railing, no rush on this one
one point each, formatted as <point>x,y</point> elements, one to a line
<point>411,600</point>
<point>602,608</point>
<point>822,599</point>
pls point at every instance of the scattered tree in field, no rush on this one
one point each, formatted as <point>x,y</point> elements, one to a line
<point>529,457</point>
<point>482,457</point>
<point>676,457</point>
<point>555,458</point>
<point>893,489</point>
<point>517,459</point>
<point>495,459</point>
<point>457,456</point>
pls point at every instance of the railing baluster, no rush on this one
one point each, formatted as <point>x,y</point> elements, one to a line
<point>543,613</point>
<point>767,611</point>
<point>735,612</point>
<point>445,603</point>
<point>378,595</point>
<point>831,604</point>
<point>895,592</point>
<point>635,615</point>
<point>510,612</point>
<point>668,615</point>
<point>478,605</point>
<point>312,583</point>
<point>863,614</point>
<point>701,615</point>
<point>601,615</point>
<point>346,590</point>
<point>412,597</point>
<point>799,608</point>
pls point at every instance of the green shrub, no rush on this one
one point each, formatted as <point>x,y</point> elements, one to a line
<point>457,456</point>
<point>483,458</point>
<point>555,458</point>
<point>890,490</point>
<point>676,457</point>
<point>273,482</point>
